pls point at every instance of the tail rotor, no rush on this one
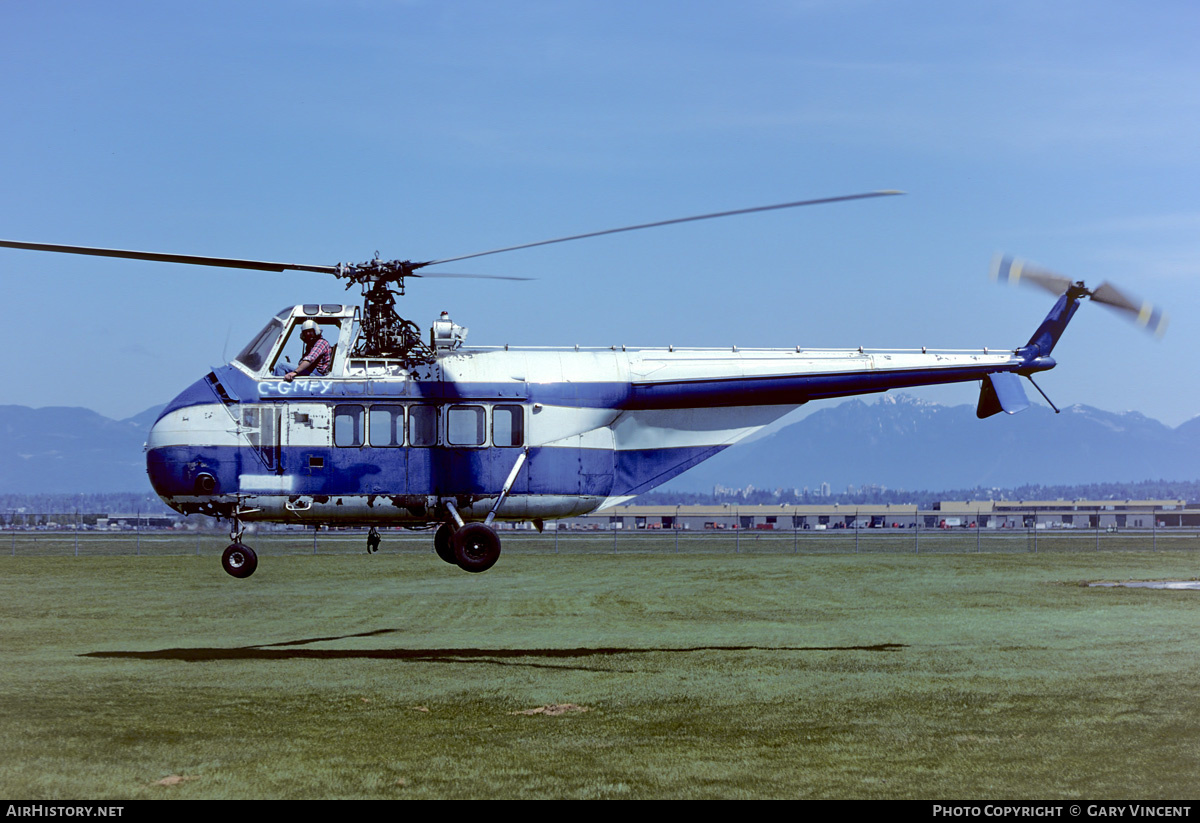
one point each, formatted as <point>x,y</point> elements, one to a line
<point>1152,318</point>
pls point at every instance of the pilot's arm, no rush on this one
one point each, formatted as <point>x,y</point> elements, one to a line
<point>304,368</point>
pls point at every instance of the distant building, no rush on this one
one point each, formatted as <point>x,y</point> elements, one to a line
<point>1071,514</point>
<point>981,514</point>
<point>135,521</point>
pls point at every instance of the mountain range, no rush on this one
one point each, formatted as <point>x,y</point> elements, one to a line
<point>898,441</point>
<point>902,442</point>
<point>71,450</point>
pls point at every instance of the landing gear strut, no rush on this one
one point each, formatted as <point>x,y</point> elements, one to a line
<point>475,547</point>
<point>373,540</point>
<point>238,559</point>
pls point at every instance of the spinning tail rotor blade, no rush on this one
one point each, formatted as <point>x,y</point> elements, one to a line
<point>1013,271</point>
<point>1108,294</point>
<point>1147,315</point>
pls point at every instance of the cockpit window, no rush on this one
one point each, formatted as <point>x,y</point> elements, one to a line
<point>293,348</point>
<point>255,354</point>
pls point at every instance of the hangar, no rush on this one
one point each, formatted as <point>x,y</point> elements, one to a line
<point>983,514</point>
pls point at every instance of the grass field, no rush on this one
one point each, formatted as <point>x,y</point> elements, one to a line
<point>721,672</point>
<point>834,541</point>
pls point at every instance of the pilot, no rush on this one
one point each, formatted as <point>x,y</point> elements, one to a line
<point>318,355</point>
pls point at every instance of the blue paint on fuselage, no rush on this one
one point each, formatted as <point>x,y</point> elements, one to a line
<point>198,394</point>
<point>174,470</point>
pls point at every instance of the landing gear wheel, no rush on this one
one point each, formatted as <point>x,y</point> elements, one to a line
<point>373,540</point>
<point>239,560</point>
<point>443,543</point>
<point>476,547</point>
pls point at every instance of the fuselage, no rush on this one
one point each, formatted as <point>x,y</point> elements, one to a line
<point>377,441</point>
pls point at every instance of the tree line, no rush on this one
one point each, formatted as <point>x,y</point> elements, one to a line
<point>1186,490</point>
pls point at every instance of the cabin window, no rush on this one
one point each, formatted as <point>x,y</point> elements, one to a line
<point>260,424</point>
<point>422,425</point>
<point>465,426</point>
<point>387,426</point>
<point>348,426</point>
<point>508,426</point>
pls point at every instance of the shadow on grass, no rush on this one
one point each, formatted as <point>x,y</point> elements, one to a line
<point>497,657</point>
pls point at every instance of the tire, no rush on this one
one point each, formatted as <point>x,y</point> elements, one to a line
<point>476,547</point>
<point>443,543</point>
<point>238,560</point>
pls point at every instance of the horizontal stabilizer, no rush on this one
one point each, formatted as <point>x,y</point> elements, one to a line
<point>1001,392</point>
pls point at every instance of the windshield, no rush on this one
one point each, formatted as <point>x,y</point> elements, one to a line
<point>255,355</point>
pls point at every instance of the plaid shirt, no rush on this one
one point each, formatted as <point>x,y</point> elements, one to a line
<point>320,355</point>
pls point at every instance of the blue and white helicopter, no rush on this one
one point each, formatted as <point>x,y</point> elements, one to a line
<point>442,435</point>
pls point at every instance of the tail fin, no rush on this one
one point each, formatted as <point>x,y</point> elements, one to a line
<point>1047,335</point>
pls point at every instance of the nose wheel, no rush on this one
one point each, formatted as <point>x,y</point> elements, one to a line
<point>239,560</point>
<point>373,540</point>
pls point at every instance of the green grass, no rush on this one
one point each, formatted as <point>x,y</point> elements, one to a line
<point>704,674</point>
<point>833,541</point>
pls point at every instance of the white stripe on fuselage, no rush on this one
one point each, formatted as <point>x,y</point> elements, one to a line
<point>656,367</point>
<point>209,424</point>
<point>278,483</point>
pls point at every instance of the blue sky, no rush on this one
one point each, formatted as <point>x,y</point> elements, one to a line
<point>318,132</point>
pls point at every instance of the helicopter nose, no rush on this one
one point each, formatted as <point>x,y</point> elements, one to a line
<point>189,464</point>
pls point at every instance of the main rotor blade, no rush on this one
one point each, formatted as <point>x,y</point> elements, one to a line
<point>225,262</point>
<point>446,274</point>
<point>262,265</point>
<point>884,193</point>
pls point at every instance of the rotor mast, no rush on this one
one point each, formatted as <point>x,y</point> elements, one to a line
<point>384,332</point>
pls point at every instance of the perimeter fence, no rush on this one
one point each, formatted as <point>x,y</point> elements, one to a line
<point>159,543</point>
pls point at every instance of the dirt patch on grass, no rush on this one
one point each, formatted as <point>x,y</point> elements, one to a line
<point>175,780</point>
<point>554,709</point>
<point>1174,585</point>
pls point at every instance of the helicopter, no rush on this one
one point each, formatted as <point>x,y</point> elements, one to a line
<point>396,429</point>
